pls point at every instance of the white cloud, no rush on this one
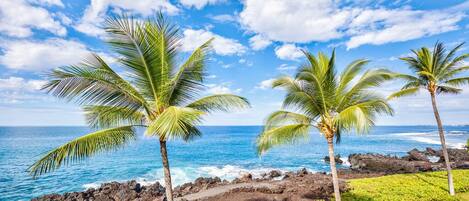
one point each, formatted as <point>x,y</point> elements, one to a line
<point>37,56</point>
<point>199,4</point>
<point>17,90</point>
<point>383,26</point>
<point>48,2</point>
<point>19,83</point>
<point>95,13</point>
<point>304,21</point>
<point>295,21</point>
<point>18,18</point>
<point>288,52</point>
<point>192,39</point>
<point>223,88</point>
<point>285,67</point>
<point>224,18</point>
<point>266,84</point>
<point>259,42</point>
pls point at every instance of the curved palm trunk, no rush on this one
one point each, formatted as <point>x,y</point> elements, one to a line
<point>167,174</point>
<point>443,144</point>
<point>335,178</point>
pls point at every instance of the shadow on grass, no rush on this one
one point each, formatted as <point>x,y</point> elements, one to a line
<point>355,197</point>
<point>435,183</point>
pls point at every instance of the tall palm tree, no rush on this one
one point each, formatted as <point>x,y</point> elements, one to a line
<point>438,72</point>
<point>333,104</point>
<point>158,94</point>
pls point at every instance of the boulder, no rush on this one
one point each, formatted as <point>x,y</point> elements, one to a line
<point>302,172</point>
<point>455,155</point>
<point>431,151</point>
<point>416,155</point>
<point>386,164</point>
<point>274,173</point>
<point>336,157</point>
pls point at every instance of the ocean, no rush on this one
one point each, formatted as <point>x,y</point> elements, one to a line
<point>223,151</point>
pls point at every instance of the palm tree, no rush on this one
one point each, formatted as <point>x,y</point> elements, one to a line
<point>158,93</point>
<point>321,99</point>
<point>438,72</point>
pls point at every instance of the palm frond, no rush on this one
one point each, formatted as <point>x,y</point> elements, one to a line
<point>447,90</point>
<point>220,102</point>
<point>175,122</point>
<point>187,82</point>
<point>350,72</point>
<point>404,92</point>
<point>282,117</point>
<point>436,68</point>
<point>286,134</point>
<point>93,82</point>
<point>370,79</point>
<point>81,148</point>
<point>129,39</point>
<point>457,81</point>
<point>361,116</point>
<point>164,37</point>
<point>98,116</point>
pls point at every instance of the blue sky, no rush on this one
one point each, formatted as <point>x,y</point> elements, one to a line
<point>255,41</point>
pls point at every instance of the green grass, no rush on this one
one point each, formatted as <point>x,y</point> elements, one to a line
<point>430,186</point>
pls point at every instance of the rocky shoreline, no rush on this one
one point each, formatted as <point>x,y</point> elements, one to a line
<point>274,185</point>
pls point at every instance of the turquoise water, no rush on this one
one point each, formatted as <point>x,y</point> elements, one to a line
<point>224,151</point>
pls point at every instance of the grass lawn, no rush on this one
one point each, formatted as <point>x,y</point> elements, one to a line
<point>410,187</point>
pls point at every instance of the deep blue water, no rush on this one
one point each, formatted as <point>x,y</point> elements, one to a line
<point>224,151</point>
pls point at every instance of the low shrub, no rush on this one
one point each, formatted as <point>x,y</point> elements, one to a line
<point>431,186</point>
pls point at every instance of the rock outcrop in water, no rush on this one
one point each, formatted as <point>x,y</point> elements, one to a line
<point>337,158</point>
<point>415,161</point>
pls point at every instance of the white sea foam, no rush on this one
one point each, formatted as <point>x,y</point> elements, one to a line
<point>433,159</point>
<point>408,134</point>
<point>433,137</point>
<point>345,161</point>
<point>181,175</point>
<point>91,185</point>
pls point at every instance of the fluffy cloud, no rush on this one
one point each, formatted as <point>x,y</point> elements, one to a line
<point>19,83</point>
<point>18,90</point>
<point>37,56</point>
<point>95,13</point>
<point>223,88</point>
<point>398,25</point>
<point>198,4</point>
<point>18,18</point>
<point>48,2</point>
<point>304,21</point>
<point>288,52</point>
<point>266,84</point>
<point>259,42</point>
<point>224,18</point>
<point>295,21</point>
<point>192,39</point>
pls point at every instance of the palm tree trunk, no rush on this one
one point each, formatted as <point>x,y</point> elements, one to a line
<point>335,178</point>
<point>443,144</point>
<point>167,175</point>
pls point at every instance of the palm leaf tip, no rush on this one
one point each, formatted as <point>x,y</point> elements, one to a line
<point>285,134</point>
<point>220,102</point>
<point>81,148</point>
<point>176,122</point>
